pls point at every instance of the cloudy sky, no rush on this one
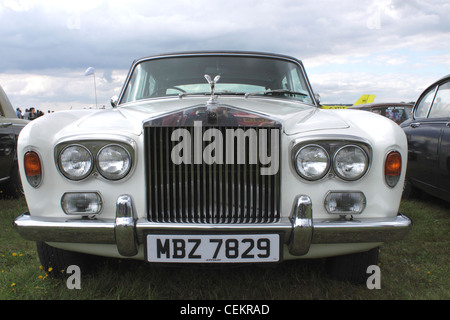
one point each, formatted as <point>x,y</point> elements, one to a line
<point>390,48</point>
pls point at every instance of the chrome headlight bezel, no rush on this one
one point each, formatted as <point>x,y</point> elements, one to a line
<point>107,173</point>
<point>63,164</point>
<point>305,165</point>
<point>95,146</point>
<point>337,163</point>
<point>332,146</point>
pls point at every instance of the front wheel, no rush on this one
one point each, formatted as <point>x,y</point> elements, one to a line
<point>58,259</point>
<point>352,267</point>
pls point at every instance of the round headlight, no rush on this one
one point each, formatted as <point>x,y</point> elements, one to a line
<point>113,162</point>
<point>350,162</point>
<point>312,162</point>
<point>75,162</point>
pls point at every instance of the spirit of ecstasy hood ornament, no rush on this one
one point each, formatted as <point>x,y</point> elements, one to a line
<point>211,105</point>
<point>212,83</point>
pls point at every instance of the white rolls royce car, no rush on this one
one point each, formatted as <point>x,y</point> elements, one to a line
<point>214,158</point>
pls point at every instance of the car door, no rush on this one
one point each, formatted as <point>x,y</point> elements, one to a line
<point>440,111</point>
<point>423,143</point>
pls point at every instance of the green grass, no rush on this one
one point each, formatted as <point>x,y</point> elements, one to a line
<point>414,268</point>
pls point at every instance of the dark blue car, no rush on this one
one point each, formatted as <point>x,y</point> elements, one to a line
<point>428,133</point>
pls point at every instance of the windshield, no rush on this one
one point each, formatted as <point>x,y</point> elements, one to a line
<point>172,76</point>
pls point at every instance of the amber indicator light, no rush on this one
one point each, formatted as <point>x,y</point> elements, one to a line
<point>32,164</point>
<point>393,165</point>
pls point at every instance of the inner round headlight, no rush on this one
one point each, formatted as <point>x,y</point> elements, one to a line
<point>75,162</point>
<point>312,162</point>
<point>113,162</point>
<point>350,162</point>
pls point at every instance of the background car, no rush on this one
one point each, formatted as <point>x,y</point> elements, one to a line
<point>428,134</point>
<point>10,127</point>
<point>397,112</point>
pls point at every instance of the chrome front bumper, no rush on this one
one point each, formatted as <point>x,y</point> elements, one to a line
<point>127,232</point>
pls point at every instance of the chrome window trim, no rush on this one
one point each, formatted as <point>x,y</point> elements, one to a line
<point>218,53</point>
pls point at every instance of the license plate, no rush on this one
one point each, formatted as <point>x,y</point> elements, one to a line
<point>213,248</point>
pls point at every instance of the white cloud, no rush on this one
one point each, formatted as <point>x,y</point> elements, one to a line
<point>347,46</point>
<point>63,89</point>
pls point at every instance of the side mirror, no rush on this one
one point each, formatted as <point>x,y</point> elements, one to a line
<point>114,100</point>
<point>317,96</point>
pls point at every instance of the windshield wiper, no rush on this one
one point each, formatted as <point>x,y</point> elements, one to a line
<point>219,93</point>
<point>276,91</point>
<point>184,94</point>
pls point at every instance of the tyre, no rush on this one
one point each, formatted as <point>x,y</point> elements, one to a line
<point>58,259</point>
<point>352,267</point>
<point>409,191</point>
<point>14,187</point>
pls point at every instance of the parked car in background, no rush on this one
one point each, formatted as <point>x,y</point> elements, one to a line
<point>428,134</point>
<point>214,158</point>
<point>10,127</point>
<point>397,112</point>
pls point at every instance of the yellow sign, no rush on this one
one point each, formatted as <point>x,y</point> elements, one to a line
<point>365,98</point>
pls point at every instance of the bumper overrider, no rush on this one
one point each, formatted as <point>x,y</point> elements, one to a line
<point>127,232</point>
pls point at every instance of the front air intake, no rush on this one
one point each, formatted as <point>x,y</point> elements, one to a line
<point>232,189</point>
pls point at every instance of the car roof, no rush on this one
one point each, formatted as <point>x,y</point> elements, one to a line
<point>219,52</point>
<point>443,79</point>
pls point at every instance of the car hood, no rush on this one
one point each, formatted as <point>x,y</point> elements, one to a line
<point>294,117</point>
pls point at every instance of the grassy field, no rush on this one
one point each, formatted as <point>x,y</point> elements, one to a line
<point>414,268</point>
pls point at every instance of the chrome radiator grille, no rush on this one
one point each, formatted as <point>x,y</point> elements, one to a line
<point>207,193</point>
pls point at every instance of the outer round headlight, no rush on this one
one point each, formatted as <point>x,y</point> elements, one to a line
<point>350,162</point>
<point>113,162</point>
<point>312,162</point>
<point>75,162</point>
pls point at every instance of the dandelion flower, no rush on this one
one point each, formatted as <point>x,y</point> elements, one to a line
<point>50,269</point>
<point>13,284</point>
<point>14,254</point>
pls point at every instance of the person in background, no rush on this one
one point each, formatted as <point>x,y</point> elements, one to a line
<point>32,114</point>
<point>26,115</point>
<point>19,113</point>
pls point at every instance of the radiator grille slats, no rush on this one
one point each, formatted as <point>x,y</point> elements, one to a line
<point>206,193</point>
